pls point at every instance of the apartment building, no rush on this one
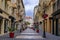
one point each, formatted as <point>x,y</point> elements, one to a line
<point>52,21</point>
<point>4,16</point>
<point>9,16</point>
<point>21,11</point>
<point>56,18</point>
<point>34,15</point>
<point>51,8</point>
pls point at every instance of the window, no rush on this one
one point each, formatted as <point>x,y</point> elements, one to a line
<point>18,1</point>
<point>54,7</point>
<point>59,27</point>
<point>58,4</point>
<point>5,26</point>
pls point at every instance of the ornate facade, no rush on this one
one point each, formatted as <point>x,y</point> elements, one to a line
<point>10,14</point>
<point>51,7</point>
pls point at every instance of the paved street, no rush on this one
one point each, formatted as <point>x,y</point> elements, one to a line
<point>29,34</point>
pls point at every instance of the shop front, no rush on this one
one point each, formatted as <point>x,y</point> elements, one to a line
<point>50,22</point>
<point>5,25</point>
<point>59,27</point>
<point>1,18</point>
<point>56,23</point>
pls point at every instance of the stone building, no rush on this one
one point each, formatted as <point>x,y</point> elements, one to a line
<point>9,16</point>
<point>51,8</point>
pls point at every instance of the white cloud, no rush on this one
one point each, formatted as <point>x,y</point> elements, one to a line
<point>29,7</point>
<point>31,2</point>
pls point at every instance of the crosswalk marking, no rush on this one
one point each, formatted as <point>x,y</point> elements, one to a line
<point>30,37</point>
<point>29,33</point>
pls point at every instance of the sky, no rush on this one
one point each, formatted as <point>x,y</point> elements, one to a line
<point>29,6</point>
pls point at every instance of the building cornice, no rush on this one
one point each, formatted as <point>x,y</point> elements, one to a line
<point>4,11</point>
<point>22,3</point>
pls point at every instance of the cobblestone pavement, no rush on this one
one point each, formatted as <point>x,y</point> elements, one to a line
<point>29,34</point>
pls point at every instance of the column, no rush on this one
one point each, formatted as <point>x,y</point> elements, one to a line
<point>2,27</point>
<point>48,25</point>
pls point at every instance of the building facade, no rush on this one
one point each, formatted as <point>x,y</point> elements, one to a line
<point>56,18</point>
<point>35,12</point>
<point>51,8</point>
<point>9,16</point>
<point>21,12</point>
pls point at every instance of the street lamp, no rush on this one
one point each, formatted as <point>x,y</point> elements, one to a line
<point>44,17</point>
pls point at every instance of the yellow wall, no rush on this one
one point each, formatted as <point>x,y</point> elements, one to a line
<point>8,12</point>
<point>49,11</point>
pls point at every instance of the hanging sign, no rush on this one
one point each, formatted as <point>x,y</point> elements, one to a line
<point>45,16</point>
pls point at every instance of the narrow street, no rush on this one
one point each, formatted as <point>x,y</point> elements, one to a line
<point>29,19</point>
<point>29,34</point>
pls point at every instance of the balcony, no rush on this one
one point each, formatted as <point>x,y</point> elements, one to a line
<point>56,8</point>
<point>58,4</point>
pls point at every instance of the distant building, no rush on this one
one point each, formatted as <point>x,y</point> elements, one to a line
<point>35,18</point>
<point>30,20</point>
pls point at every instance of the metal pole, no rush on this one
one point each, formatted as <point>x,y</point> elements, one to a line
<point>44,34</point>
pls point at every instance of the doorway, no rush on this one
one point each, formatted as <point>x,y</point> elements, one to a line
<point>0,25</point>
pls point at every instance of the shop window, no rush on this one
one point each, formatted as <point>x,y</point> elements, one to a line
<point>0,25</point>
<point>54,7</point>
<point>59,27</point>
<point>5,26</point>
<point>58,4</point>
<point>54,26</point>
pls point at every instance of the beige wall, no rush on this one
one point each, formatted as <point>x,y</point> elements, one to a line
<point>7,11</point>
<point>49,11</point>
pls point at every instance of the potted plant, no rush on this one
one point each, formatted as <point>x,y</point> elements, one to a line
<point>37,28</point>
<point>11,33</point>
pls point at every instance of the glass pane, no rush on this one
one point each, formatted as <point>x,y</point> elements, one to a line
<point>59,27</point>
